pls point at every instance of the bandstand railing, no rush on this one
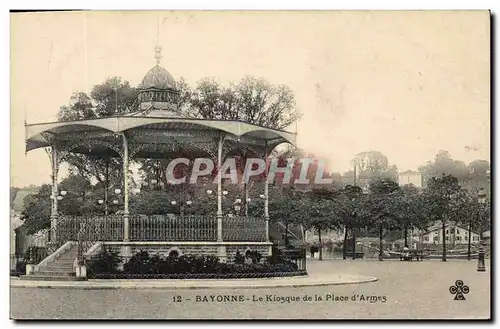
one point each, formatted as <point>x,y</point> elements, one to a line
<point>173,228</point>
<point>161,228</point>
<point>244,229</point>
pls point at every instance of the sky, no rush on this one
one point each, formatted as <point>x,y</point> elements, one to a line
<point>407,84</point>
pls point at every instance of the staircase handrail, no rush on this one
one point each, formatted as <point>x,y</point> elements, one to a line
<point>53,255</point>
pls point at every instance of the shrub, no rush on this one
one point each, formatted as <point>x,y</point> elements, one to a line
<point>143,263</point>
<point>276,257</point>
<point>239,258</point>
<point>105,262</point>
<point>20,268</point>
<point>138,264</point>
<point>254,255</point>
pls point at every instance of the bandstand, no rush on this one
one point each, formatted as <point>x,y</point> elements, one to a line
<point>154,129</point>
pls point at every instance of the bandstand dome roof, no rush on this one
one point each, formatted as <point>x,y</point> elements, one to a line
<point>158,78</point>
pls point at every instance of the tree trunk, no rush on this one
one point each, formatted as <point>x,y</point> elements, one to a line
<point>320,245</point>
<point>381,245</point>
<point>286,233</point>
<point>406,236</point>
<point>443,228</point>
<point>469,239</point>
<point>106,188</point>
<point>481,227</point>
<point>245,190</point>
<point>344,249</point>
<point>353,243</point>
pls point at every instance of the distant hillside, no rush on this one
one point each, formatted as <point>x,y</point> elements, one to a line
<point>18,203</point>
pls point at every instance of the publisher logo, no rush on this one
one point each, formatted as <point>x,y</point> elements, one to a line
<point>459,290</point>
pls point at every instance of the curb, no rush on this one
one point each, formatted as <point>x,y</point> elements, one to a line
<point>181,284</point>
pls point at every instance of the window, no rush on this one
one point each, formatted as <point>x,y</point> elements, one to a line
<point>447,238</point>
<point>475,238</point>
<point>436,238</point>
<point>447,231</point>
<point>458,238</point>
<point>458,231</point>
<point>426,238</point>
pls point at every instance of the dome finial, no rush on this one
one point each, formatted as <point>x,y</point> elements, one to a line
<point>158,54</point>
<point>158,47</point>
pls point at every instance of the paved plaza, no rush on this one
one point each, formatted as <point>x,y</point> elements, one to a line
<point>404,290</point>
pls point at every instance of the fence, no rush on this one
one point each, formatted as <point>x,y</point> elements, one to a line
<point>161,228</point>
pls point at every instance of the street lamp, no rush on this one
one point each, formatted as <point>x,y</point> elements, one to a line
<point>481,195</point>
<point>60,196</point>
<point>237,206</point>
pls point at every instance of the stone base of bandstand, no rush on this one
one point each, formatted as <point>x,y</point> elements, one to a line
<point>226,251</point>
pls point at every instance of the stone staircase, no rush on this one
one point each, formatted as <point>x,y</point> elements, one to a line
<point>57,267</point>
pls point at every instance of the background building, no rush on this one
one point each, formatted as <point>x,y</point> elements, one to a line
<point>453,234</point>
<point>410,177</point>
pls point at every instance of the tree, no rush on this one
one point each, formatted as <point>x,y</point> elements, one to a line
<point>370,165</point>
<point>106,99</point>
<point>253,100</point>
<point>408,207</point>
<point>287,206</point>
<point>350,208</point>
<point>478,176</point>
<point>442,197</point>
<point>443,164</point>
<point>80,107</point>
<point>36,213</point>
<point>383,207</point>
<point>13,194</point>
<point>320,213</point>
<point>468,211</point>
<point>112,97</point>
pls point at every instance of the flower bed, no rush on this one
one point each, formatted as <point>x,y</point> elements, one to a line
<point>145,266</point>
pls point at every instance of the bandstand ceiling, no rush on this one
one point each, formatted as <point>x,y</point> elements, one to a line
<point>154,137</point>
